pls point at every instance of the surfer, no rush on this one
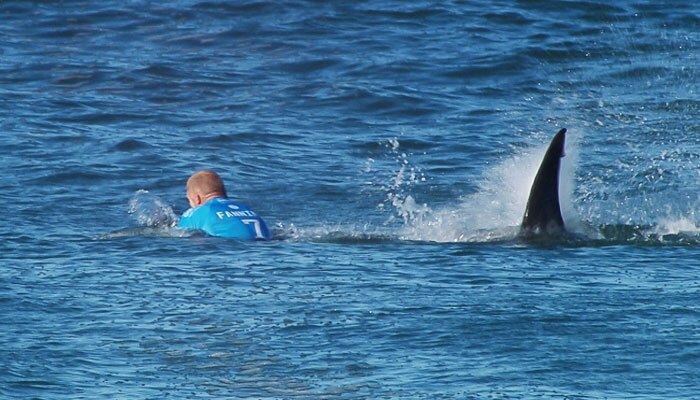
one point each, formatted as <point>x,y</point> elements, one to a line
<point>215,214</point>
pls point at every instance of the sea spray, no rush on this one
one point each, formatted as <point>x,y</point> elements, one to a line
<point>155,218</point>
<point>398,185</point>
<point>676,226</point>
<point>151,211</point>
<point>490,213</point>
<point>493,212</point>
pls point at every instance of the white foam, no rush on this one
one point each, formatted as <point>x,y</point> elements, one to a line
<point>676,226</point>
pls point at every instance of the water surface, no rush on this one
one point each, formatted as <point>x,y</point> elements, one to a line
<point>391,145</point>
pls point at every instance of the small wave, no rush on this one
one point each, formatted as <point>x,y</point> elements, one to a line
<point>128,145</point>
<point>640,72</point>
<point>147,231</point>
<point>76,80</point>
<point>341,234</point>
<point>100,118</point>
<point>72,176</point>
<point>513,18</point>
<point>236,9</point>
<point>242,137</point>
<point>161,70</point>
<point>601,236</point>
<point>309,66</point>
<point>407,14</point>
<point>669,233</point>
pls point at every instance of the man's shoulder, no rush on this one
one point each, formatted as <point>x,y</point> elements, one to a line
<point>199,212</point>
<point>227,203</point>
<point>191,218</point>
<point>188,213</point>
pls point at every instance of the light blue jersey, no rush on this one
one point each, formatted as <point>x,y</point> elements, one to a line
<point>225,218</point>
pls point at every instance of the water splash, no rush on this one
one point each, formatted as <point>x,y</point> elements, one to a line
<point>151,211</point>
<point>494,211</point>
<point>155,218</point>
<point>676,226</point>
<point>397,191</point>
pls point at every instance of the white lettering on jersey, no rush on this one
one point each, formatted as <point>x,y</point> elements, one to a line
<point>230,214</point>
<point>256,225</point>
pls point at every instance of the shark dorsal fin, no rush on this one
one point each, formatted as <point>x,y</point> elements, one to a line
<point>543,212</point>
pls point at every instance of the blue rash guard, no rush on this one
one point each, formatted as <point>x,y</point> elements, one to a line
<point>224,217</point>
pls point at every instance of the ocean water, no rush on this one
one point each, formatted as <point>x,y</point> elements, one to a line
<point>390,146</point>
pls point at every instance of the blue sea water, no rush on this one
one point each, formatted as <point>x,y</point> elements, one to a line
<point>391,146</point>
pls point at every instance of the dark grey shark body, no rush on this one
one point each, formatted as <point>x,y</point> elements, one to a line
<point>543,211</point>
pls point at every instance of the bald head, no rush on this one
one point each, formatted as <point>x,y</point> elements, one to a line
<point>204,185</point>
